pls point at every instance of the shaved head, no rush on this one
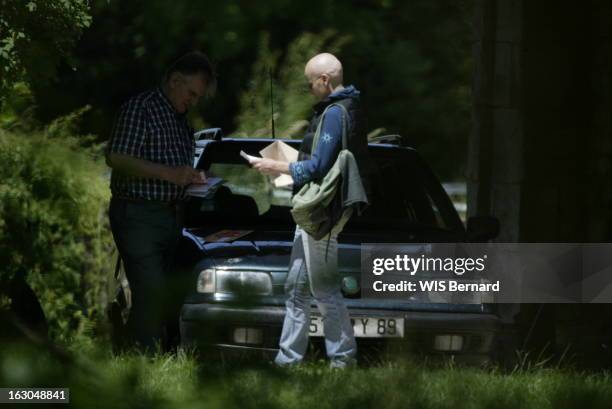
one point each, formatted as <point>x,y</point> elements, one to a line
<point>325,63</point>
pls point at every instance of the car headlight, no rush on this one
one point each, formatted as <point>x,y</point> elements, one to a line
<point>245,282</point>
<point>232,282</point>
<point>206,281</point>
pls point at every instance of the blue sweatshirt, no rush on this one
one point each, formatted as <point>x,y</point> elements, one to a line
<point>329,145</point>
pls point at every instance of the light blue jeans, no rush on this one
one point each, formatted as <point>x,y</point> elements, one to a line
<point>313,261</point>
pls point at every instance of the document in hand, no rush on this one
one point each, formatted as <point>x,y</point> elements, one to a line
<point>277,150</point>
<point>204,189</point>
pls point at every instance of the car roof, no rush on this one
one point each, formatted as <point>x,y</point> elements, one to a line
<point>389,146</point>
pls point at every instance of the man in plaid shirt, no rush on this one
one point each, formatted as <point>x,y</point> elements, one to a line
<point>151,152</point>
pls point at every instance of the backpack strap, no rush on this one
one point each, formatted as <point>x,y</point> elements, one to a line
<point>118,265</point>
<point>317,134</point>
<point>344,146</point>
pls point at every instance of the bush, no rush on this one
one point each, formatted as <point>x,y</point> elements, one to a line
<point>36,35</point>
<point>53,224</point>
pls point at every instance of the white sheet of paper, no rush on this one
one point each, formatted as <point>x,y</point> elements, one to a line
<point>249,158</point>
<point>279,150</point>
<point>283,181</point>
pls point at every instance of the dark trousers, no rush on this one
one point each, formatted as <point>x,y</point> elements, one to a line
<point>147,235</point>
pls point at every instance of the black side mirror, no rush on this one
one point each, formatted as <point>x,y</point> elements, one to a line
<point>482,228</point>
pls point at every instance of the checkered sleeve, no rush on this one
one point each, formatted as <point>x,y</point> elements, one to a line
<point>129,132</point>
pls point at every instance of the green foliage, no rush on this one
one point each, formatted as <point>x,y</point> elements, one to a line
<point>292,102</point>
<point>99,380</point>
<point>17,112</point>
<point>410,59</point>
<point>35,35</point>
<point>53,224</point>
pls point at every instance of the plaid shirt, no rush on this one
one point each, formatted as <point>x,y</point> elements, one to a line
<point>149,128</point>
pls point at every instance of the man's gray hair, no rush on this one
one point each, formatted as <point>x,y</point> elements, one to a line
<point>195,62</point>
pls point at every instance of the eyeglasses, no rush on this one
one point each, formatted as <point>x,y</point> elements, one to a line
<point>309,84</point>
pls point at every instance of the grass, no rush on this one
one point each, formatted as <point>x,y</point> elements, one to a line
<point>405,385</point>
<point>99,379</point>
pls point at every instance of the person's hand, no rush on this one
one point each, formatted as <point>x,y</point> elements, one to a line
<point>200,178</point>
<point>185,175</point>
<point>267,166</point>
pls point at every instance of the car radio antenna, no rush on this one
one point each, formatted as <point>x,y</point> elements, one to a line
<point>272,104</point>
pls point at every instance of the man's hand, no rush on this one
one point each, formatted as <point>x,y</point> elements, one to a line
<point>270,166</point>
<point>185,175</point>
<point>131,166</point>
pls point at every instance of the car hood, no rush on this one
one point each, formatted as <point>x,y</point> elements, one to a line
<point>270,250</point>
<point>271,256</point>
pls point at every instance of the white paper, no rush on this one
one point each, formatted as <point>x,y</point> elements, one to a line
<point>249,158</point>
<point>279,150</point>
<point>283,181</point>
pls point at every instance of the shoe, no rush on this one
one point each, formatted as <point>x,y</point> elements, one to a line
<point>343,363</point>
<point>282,364</point>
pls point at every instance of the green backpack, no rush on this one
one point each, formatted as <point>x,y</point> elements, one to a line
<point>317,206</point>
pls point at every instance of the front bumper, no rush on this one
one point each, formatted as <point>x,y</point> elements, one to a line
<point>217,325</point>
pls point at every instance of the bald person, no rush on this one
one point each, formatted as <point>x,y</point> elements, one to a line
<point>313,265</point>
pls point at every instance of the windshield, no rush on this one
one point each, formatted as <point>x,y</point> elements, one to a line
<point>402,195</point>
<point>242,180</point>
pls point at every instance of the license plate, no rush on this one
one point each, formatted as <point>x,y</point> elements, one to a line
<point>365,327</point>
